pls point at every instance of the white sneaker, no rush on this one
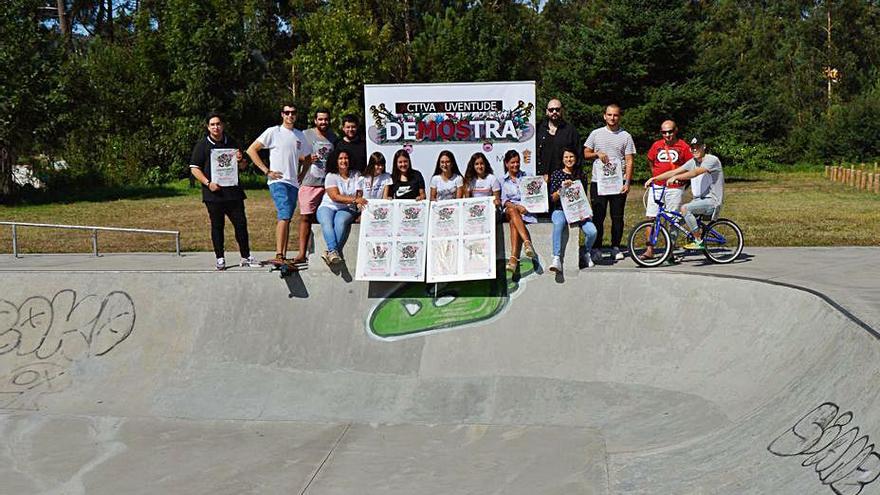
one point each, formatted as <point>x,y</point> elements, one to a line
<point>556,265</point>
<point>590,262</point>
<point>616,254</point>
<point>221,263</point>
<point>334,257</point>
<point>250,261</point>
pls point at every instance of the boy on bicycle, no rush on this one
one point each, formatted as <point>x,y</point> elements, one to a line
<point>708,192</point>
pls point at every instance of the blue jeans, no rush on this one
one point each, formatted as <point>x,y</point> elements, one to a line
<point>559,226</point>
<point>334,226</point>
<point>697,207</point>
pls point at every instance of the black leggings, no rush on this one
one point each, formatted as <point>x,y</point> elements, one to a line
<point>217,210</point>
<point>600,207</point>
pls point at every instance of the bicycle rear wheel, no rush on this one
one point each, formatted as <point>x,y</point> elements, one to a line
<point>639,243</point>
<point>723,241</point>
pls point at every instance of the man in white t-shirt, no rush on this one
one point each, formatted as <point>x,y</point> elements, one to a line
<point>610,148</point>
<point>289,151</point>
<point>710,193</point>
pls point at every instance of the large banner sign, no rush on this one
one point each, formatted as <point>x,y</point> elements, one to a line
<point>464,118</point>
<point>455,238</point>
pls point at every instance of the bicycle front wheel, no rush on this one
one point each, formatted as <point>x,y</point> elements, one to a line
<point>723,241</point>
<point>639,242</point>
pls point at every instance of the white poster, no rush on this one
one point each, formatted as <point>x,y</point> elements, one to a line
<point>533,194</point>
<point>461,240</point>
<point>224,167</point>
<point>610,177</point>
<point>574,202</point>
<point>464,118</point>
<point>391,243</point>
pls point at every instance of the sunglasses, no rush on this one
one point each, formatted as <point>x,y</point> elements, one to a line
<point>288,112</point>
<point>554,110</point>
<point>667,132</point>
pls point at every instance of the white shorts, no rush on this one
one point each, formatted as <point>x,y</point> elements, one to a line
<point>672,200</point>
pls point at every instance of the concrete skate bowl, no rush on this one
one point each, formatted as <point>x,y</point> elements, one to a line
<point>616,382</point>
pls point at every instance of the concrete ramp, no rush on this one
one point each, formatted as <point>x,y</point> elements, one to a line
<point>613,382</point>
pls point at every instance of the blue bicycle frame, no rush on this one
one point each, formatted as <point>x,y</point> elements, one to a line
<point>676,219</point>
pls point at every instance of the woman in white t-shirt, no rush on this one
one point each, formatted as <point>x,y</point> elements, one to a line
<point>447,182</point>
<point>339,206</point>
<point>480,180</point>
<point>372,183</point>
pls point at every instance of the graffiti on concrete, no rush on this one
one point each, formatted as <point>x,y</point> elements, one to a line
<point>41,337</point>
<point>418,308</point>
<point>844,460</point>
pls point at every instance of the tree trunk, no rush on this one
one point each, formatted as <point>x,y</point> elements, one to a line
<point>7,161</point>
<point>63,21</point>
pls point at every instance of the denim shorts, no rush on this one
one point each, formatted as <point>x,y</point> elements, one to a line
<point>284,195</point>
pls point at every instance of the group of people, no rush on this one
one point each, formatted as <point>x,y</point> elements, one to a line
<point>671,160</point>
<point>331,178</point>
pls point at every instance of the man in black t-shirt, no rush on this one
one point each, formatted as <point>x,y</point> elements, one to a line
<point>352,142</point>
<point>220,201</point>
<point>554,134</point>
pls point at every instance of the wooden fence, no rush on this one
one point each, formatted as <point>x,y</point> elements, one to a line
<point>864,176</point>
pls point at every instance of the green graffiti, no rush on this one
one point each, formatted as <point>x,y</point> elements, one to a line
<point>418,307</point>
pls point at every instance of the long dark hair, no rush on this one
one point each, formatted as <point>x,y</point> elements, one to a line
<point>332,166</point>
<point>376,158</point>
<point>470,174</point>
<point>395,172</point>
<point>451,157</point>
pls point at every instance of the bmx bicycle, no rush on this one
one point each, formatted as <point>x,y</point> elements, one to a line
<point>722,238</point>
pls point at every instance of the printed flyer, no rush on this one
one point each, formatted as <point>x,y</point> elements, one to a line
<point>533,194</point>
<point>610,177</point>
<point>461,240</point>
<point>575,204</point>
<point>391,244</point>
<point>224,167</point>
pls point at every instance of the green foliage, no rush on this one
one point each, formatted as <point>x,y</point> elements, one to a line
<point>345,49</point>
<point>29,91</point>
<point>122,99</point>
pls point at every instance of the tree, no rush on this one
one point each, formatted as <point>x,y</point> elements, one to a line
<point>28,85</point>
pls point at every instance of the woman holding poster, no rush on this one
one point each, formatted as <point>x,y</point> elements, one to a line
<point>566,185</point>
<point>339,206</point>
<point>517,214</point>
<point>480,181</point>
<point>446,183</point>
<point>374,179</point>
<point>406,182</point>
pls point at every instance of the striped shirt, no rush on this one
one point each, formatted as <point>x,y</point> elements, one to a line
<point>616,144</point>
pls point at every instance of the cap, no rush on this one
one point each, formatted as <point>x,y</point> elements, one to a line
<point>696,141</point>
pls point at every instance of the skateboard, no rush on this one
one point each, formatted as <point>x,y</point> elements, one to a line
<point>285,268</point>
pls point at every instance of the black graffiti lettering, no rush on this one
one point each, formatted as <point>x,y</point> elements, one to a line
<point>806,433</point>
<point>867,471</point>
<point>844,461</point>
<point>53,333</point>
<point>23,386</point>
<point>858,451</point>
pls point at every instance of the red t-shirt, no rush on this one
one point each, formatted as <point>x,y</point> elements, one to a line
<point>679,154</point>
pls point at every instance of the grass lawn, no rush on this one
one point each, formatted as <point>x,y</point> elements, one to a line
<point>785,209</point>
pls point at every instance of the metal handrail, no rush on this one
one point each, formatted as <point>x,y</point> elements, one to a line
<point>94,229</point>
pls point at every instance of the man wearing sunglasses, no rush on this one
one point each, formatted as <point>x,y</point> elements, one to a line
<point>289,152</point>
<point>553,136</point>
<point>667,153</point>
